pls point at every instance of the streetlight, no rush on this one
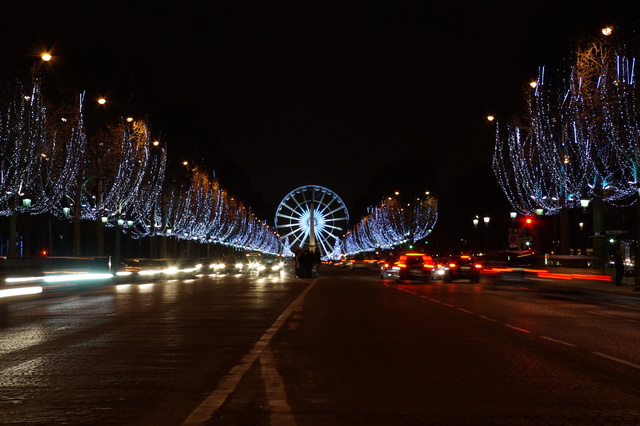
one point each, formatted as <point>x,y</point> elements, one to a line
<point>584,203</point>
<point>486,220</point>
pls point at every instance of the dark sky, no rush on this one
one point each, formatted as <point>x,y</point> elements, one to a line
<point>322,93</point>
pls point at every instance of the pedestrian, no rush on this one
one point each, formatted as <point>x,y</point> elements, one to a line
<point>306,263</point>
<point>619,265</point>
<point>297,263</point>
<point>317,260</point>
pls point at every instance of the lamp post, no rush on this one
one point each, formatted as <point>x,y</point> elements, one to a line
<point>475,235</point>
<point>486,220</point>
<point>513,231</point>
<point>584,203</point>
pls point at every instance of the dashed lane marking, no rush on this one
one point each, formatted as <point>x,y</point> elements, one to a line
<point>621,361</point>
<point>487,318</point>
<point>517,328</point>
<point>551,339</point>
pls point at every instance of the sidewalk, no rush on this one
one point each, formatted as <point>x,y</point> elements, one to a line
<point>591,285</point>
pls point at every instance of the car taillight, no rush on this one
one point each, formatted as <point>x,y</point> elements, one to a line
<point>452,265</point>
<point>401,265</point>
<point>429,266</point>
<point>478,266</point>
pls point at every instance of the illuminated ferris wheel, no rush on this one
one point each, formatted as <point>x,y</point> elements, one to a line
<point>312,215</point>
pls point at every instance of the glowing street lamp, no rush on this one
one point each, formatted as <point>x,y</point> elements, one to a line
<point>584,203</point>
<point>486,220</point>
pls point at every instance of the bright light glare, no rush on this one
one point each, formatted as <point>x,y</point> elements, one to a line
<point>22,279</point>
<point>171,271</point>
<point>76,277</point>
<point>149,272</point>
<point>607,31</point>
<point>20,291</point>
<point>46,57</point>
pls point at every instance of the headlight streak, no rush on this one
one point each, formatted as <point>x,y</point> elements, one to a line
<point>20,291</point>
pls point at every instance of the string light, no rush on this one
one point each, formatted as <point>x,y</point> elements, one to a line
<point>390,224</point>
<point>578,138</point>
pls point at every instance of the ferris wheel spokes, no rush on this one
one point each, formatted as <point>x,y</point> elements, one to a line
<point>297,210</point>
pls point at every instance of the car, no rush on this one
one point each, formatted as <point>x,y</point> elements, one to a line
<point>408,266</point>
<point>440,268</point>
<point>141,269</point>
<point>234,265</point>
<point>270,266</point>
<point>207,266</point>
<point>358,262</point>
<point>462,267</point>
<point>181,268</point>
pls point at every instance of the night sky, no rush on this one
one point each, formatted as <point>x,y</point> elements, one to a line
<point>342,95</point>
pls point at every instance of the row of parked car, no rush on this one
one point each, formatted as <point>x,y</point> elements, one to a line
<point>422,267</point>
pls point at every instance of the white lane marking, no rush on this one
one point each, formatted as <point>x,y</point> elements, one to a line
<point>275,392</point>
<point>557,341</point>
<point>517,328</point>
<point>621,361</point>
<point>487,318</point>
<point>229,383</point>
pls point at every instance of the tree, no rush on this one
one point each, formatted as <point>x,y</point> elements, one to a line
<point>577,139</point>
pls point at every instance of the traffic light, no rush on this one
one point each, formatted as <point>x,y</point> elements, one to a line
<point>528,220</point>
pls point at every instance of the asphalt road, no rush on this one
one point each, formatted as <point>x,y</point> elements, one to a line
<point>343,349</point>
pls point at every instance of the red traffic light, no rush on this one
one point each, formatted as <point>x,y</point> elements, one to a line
<point>528,221</point>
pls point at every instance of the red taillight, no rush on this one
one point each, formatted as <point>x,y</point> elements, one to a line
<point>478,266</point>
<point>429,266</point>
<point>401,265</point>
<point>452,265</point>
